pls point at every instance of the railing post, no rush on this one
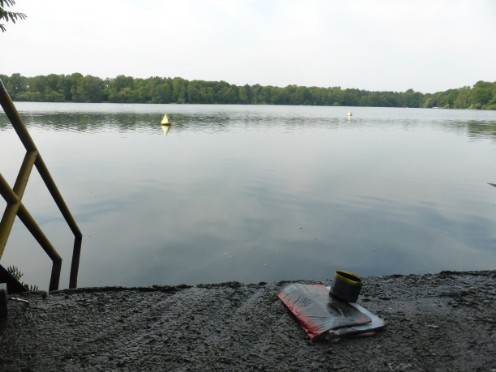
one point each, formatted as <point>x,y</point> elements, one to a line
<point>9,213</point>
<point>55,275</point>
<point>15,206</point>
<point>75,262</point>
<point>13,197</point>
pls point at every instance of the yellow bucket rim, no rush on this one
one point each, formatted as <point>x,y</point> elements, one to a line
<point>348,277</point>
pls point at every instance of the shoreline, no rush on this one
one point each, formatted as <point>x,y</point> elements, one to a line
<point>443,321</point>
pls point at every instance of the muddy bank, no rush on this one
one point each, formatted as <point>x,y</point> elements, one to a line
<point>445,321</point>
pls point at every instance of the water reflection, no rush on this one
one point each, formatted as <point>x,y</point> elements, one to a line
<point>95,119</point>
<point>263,193</point>
<point>481,129</point>
<point>166,129</point>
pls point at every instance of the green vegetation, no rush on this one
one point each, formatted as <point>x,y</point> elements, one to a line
<point>17,274</point>
<point>6,15</point>
<point>126,89</point>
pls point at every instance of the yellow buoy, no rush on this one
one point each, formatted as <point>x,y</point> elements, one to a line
<point>165,120</point>
<point>166,128</point>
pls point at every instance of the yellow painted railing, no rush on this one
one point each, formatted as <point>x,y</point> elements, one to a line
<point>13,197</point>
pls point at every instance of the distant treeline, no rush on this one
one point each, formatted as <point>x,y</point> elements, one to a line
<point>126,89</point>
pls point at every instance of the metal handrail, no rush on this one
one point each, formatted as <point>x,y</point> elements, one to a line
<point>16,208</point>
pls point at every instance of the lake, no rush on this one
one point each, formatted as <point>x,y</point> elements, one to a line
<point>256,193</point>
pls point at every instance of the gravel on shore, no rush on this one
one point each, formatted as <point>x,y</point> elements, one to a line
<point>444,321</point>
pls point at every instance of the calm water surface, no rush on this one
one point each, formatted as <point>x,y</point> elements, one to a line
<point>256,193</point>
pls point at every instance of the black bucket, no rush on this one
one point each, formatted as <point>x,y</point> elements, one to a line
<point>346,286</point>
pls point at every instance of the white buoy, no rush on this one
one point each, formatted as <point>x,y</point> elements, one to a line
<point>350,114</point>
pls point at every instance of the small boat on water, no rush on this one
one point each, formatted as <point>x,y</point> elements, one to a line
<point>166,120</point>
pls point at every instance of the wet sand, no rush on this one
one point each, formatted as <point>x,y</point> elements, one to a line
<point>445,321</point>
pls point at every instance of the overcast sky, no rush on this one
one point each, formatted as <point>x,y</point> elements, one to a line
<point>426,45</point>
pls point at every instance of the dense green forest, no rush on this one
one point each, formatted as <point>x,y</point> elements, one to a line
<point>126,89</point>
